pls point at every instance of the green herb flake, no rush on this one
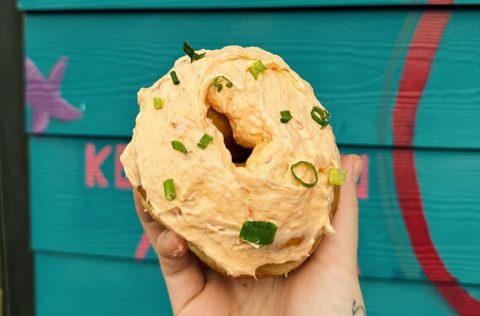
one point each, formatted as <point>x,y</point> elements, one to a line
<point>337,176</point>
<point>175,80</point>
<point>204,141</point>
<point>320,116</point>
<point>158,103</point>
<point>305,173</point>
<point>179,146</point>
<point>258,232</point>
<point>169,189</point>
<point>191,52</point>
<point>285,116</point>
<point>256,68</point>
<point>219,85</point>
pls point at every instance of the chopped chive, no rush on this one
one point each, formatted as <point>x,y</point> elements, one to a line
<point>219,85</point>
<point>305,173</point>
<point>175,80</point>
<point>158,103</point>
<point>337,176</point>
<point>320,116</point>
<point>256,68</point>
<point>204,141</point>
<point>179,146</point>
<point>169,189</point>
<point>191,52</point>
<point>258,232</point>
<point>285,116</point>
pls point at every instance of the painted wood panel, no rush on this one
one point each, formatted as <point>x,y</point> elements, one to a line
<point>353,58</point>
<point>109,286</point>
<point>67,284</point>
<point>217,4</point>
<point>81,203</point>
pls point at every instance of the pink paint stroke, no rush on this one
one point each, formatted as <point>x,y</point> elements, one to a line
<point>362,189</point>
<point>142,247</point>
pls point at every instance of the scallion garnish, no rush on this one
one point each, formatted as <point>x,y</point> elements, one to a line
<point>337,176</point>
<point>256,68</point>
<point>219,85</point>
<point>169,189</point>
<point>285,116</point>
<point>157,103</point>
<point>179,146</point>
<point>320,116</point>
<point>191,52</point>
<point>175,80</point>
<point>258,232</point>
<point>305,173</point>
<point>204,141</point>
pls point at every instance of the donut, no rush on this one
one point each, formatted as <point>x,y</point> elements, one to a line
<point>232,150</point>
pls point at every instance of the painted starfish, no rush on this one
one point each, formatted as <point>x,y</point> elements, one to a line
<point>43,96</point>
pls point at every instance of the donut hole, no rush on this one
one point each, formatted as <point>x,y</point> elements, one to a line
<point>239,153</point>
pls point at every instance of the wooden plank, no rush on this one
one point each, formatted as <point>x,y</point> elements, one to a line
<point>84,285</point>
<point>16,293</point>
<point>353,59</point>
<point>112,286</point>
<point>36,5</point>
<point>394,297</point>
<point>72,211</point>
<point>213,4</point>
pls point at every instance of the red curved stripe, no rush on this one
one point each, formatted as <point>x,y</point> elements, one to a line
<point>441,2</point>
<point>414,77</point>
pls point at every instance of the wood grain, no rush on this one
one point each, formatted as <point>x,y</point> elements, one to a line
<point>352,58</point>
<point>111,286</point>
<point>67,216</point>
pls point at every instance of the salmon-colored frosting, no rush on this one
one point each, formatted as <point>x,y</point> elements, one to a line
<point>214,196</point>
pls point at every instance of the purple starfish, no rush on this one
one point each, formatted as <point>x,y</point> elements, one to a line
<point>43,96</point>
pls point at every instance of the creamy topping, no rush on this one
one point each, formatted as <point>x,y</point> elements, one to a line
<point>213,196</point>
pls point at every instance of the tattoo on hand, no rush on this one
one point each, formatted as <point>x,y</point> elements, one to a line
<point>356,308</point>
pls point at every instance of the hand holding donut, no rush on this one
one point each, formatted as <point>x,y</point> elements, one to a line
<point>233,159</point>
<point>326,284</point>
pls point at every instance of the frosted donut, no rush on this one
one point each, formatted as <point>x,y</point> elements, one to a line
<point>263,216</point>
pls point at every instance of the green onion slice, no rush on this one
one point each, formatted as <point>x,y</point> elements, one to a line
<point>305,173</point>
<point>320,116</point>
<point>219,85</point>
<point>158,103</point>
<point>175,80</point>
<point>169,188</point>
<point>258,232</point>
<point>256,68</point>
<point>191,52</point>
<point>285,116</point>
<point>337,176</point>
<point>179,146</point>
<point>204,141</point>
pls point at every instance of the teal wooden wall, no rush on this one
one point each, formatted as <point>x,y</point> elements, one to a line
<point>85,234</point>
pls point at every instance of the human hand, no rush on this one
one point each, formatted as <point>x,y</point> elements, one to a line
<point>326,284</point>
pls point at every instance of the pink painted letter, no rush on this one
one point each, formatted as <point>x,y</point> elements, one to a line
<point>120,181</point>
<point>93,162</point>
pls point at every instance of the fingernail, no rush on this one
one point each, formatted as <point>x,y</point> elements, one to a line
<point>357,169</point>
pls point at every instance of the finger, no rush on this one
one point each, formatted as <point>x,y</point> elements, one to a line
<point>152,229</point>
<point>342,245</point>
<point>182,273</point>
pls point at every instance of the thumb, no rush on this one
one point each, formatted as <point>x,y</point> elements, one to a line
<point>341,247</point>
